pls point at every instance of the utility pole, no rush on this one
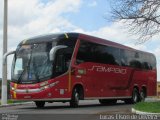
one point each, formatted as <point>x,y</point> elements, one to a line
<point>4,64</point>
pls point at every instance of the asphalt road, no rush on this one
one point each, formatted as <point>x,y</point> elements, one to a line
<point>85,107</point>
<point>88,109</point>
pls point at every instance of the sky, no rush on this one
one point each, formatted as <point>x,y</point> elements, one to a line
<point>28,18</point>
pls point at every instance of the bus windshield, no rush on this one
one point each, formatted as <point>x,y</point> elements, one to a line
<point>32,63</point>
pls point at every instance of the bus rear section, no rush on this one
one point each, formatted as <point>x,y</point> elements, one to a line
<point>111,72</point>
<point>72,67</point>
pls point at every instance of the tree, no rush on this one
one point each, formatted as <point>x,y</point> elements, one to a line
<point>142,17</point>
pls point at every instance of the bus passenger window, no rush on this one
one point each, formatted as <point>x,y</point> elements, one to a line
<point>84,53</point>
<point>123,58</point>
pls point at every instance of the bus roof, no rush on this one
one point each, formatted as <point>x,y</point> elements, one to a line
<point>48,38</point>
<point>51,37</point>
<point>108,42</point>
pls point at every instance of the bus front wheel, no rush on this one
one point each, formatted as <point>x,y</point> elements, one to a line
<point>75,98</point>
<point>40,104</point>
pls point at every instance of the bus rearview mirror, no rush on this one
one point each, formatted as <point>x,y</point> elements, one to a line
<point>54,50</point>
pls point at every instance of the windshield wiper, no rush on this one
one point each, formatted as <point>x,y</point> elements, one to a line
<point>21,75</point>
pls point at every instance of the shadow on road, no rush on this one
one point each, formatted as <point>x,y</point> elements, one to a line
<point>66,106</point>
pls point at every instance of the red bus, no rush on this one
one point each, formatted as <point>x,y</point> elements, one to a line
<point>70,67</point>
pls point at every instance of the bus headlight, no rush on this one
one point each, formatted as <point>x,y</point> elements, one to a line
<point>12,88</point>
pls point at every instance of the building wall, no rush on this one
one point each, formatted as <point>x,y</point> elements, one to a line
<point>158,88</point>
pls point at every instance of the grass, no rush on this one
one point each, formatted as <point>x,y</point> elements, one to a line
<point>153,107</point>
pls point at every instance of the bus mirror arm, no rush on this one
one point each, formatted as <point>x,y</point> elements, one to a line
<point>54,50</point>
<point>5,56</point>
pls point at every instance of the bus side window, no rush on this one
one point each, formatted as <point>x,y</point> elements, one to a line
<point>145,62</point>
<point>113,55</point>
<point>134,60</point>
<point>123,58</point>
<point>81,56</point>
<point>153,62</point>
<point>84,53</point>
<point>97,53</point>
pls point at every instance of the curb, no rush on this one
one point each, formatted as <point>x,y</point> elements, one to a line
<point>152,100</point>
<point>15,104</point>
<point>143,113</point>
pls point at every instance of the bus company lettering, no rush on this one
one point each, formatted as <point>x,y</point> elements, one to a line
<point>108,69</point>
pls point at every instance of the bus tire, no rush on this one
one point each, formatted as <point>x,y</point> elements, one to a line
<point>135,97</point>
<point>40,104</point>
<point>142,95</point>
<point>75,98</point>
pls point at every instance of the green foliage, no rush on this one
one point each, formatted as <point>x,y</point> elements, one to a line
<point>153,107</point>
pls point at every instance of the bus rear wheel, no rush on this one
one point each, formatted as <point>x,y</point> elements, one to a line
<point>135,97</point>
<point>40,104</point>
<point>142,95</point>
<point>75,98</point>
